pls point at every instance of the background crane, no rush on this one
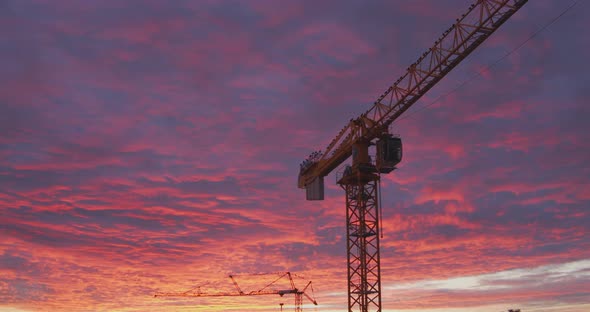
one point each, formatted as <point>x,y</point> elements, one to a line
<point>360,181</point>
<point>269,289</point>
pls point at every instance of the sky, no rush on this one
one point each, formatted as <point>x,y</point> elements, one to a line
<point>154,146</point>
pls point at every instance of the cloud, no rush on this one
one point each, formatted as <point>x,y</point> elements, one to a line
<point>150,146</point>
<point>499,287</point>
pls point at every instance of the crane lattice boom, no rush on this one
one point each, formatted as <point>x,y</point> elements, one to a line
<point>266,290</point>
<point>455,44</point>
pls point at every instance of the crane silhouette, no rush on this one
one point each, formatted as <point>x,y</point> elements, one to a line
<point>268,289</point>
<point>360,180</point>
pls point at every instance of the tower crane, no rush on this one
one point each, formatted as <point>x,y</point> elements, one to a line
<point>269,289</point>
<point>360,180</point>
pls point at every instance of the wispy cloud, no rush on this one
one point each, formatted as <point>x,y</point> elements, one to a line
<point>150,146</point>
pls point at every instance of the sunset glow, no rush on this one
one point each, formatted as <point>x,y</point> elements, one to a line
<point>154,146</point>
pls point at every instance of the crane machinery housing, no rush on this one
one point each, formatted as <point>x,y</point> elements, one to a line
<point>360,180</point>
<point>269,289</point>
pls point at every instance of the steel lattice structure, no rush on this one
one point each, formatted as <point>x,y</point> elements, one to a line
<point>269,289</point>
<point>362,218</point>
<point>474,27</point>
<point>469,31</point>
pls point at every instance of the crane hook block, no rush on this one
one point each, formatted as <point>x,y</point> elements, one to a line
<point>389,153</point>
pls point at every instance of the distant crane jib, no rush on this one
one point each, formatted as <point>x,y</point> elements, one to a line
<point>266,290</point>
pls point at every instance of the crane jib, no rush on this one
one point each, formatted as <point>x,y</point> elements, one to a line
<point>463,37</point>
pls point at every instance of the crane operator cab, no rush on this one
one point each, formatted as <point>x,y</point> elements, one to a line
<point>389,153</point>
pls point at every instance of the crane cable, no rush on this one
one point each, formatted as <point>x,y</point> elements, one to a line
<point>479,73</point>
<point>380,206</point>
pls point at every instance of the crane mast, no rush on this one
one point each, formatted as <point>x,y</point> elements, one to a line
<point>360,181</point>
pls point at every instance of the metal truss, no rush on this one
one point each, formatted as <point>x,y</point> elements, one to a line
<point>362,236</point>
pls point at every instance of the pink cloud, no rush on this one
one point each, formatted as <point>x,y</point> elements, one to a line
<point>156,147</point>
